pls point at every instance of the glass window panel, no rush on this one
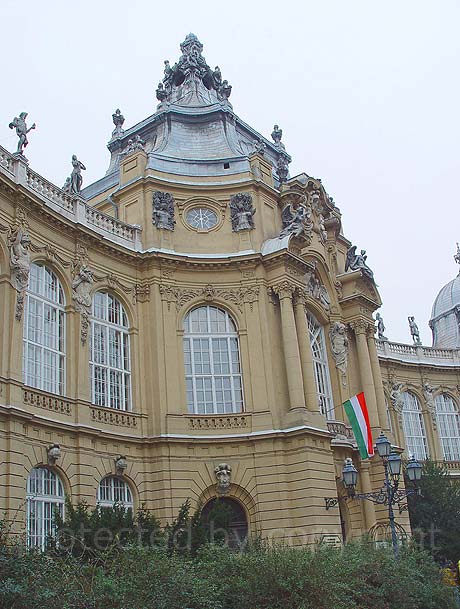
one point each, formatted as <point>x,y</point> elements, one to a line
<point>207,358</point>
<point>45,494</point>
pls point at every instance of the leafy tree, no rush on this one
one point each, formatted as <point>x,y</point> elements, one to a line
<point>435,513</point>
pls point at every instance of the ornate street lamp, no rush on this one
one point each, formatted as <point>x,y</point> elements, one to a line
<point>390,494</point>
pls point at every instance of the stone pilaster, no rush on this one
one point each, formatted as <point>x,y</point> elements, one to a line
<point>285,292</point>
<point>306,354</point>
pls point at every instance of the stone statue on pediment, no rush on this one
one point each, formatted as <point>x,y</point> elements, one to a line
<point>415,332</point>
<point>357,262</point>
<point>19,123</point>
<point>76,178</point>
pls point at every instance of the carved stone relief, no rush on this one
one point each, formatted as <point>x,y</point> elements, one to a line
<point>163,210</point>
<point>82,284</point>
<point>339,347</point>
<point>316,289</point>
<point>223,474</point>
<point>242,212</point>
<point>19,245</point>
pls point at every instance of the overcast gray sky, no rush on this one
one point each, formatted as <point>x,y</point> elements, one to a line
<point>367,94</point>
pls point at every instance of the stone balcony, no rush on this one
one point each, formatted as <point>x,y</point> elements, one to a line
<point>74,208</point>
<point>418,354</point>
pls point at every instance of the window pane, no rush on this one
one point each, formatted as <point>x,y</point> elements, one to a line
<point>212,363</point>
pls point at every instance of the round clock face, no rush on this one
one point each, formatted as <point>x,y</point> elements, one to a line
<point>201,218</point>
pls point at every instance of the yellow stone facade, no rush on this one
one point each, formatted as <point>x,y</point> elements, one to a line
<point>285,455</point>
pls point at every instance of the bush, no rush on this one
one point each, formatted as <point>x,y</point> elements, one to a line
<point>141,577</point>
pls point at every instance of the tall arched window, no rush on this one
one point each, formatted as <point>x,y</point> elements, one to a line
<point>45,494</point>
<point>323,381</point>
<point>414,427</point>
<point>110,356</point>
<point>44,332</point>
<point>114,490</point>
<point>448,421</point>
<point>212,362</point>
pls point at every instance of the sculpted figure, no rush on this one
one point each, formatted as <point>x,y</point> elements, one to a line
<point>339,345</point>
<point>415,333</point>
<point>380,327</point>
<point>81,288</point>
<point>134,145</point>
<point>242,212</point>
<point>76,179</point>
<point>163,210</point>
<point>67,185</point>
<point>296,220</point>
<point>20,260</point>
<point>168,76</point>
<point>322,228</point>
<point>397,397</point>
<point>355,262</point>
<point>223,474</point>
<point>259,147</point>
<point>19,123</point>
<point>225,90</point>
<point>277,134</point>
<point>217,78</point>
<point>161,93</point>
<point>282,169</point>
<point>118,120</point>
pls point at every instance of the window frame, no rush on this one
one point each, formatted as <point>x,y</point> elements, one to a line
<point>43,504</point>
<point>411,417</point>
<point>321,367</point>
<point>217,357</point>
<point>127,502</point>
<point>103,329</point>
<point>39,304</point>
<point>447,420</point>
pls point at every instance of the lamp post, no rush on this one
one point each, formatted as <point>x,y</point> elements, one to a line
<point>390,494</point>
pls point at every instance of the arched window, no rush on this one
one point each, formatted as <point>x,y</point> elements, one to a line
<point>448,421</point>
<point>44,332</point>
<point>323,381</point>
<point>212,362</point>
<point>114,490</point>
<point>414,427</point>
<point>45,494</point>
<point>110,356</point>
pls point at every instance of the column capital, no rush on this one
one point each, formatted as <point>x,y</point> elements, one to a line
<point>362,326</point>
<point>284,289</point>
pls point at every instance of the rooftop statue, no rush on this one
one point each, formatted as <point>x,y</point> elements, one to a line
<point>277,134</point>
<point>296,219</point>
<point>457,255</point>
<point>118,120</point>
<point>415,333</point>
<point>19,123</point>
<point>191,81</point>
<point>380,327</point>
<point>356,262</point>
<point>76,179</point>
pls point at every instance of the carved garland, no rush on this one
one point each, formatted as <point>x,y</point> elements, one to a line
<point>238,296</point>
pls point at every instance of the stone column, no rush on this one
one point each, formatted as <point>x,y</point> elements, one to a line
<point>306,354</point>
<point>361,329</point>
<point>378,383</point>
<point>285,292</point>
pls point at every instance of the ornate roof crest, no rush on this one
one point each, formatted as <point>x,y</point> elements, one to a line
<point>191,82</point>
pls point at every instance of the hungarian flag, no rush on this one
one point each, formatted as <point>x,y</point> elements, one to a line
<point>356,411</point>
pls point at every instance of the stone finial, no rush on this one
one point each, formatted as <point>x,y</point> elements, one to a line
<point>357,262</point>
<point>118,120</point>
<point>380,327</point>
<point>54,453</point>
<point>19,123</point>
<point>121,464</point>
<point>457,255</point>
<point>223,474</point>
<point>277,134</point>
<point>415,333</point>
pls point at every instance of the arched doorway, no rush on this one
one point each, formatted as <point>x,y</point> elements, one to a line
<point>225,522</point>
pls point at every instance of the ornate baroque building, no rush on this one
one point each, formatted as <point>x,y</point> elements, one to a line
<point>189,325</point>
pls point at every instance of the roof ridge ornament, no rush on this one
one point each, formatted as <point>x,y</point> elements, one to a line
<point>190,81</point>
<point>457,255</point>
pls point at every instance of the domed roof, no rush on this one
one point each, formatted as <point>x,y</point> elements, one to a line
<point>447,299</point>
<point>445,314</point>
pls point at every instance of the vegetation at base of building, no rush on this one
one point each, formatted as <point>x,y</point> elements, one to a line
<point>435,513</point>
<point>358,576</point>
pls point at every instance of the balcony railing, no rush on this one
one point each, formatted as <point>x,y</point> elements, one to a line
<point>74,208</point>
<point>418,353</point>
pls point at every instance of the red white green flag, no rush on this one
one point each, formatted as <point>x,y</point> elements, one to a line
<point>356,411</point>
